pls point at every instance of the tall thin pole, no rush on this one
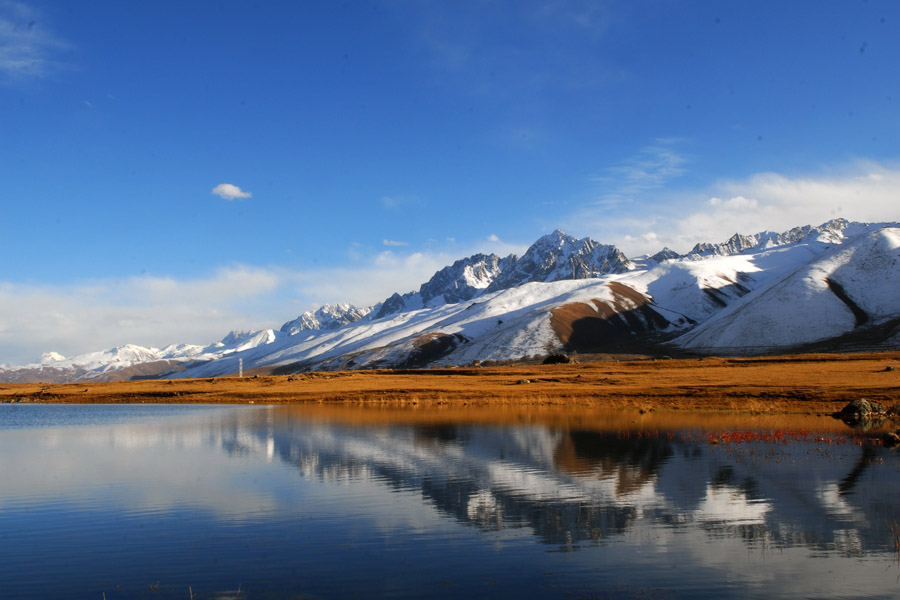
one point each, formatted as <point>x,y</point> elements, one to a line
<point>240,367</point>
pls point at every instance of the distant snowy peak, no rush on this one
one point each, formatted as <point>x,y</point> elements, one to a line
<point>559,256</point>
<point>103,360</point>
<point>465,278</point>
<point>328,317</point>
<point>831,232</point>
<point>664,255</point>
<point>48,358</point>
<point>238,340</point>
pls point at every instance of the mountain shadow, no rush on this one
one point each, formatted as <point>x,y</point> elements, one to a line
<point>627,322</point>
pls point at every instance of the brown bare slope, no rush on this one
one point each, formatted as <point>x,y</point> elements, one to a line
<point>628,323</point>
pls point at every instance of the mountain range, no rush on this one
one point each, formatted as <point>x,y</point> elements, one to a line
<point>832,287</point>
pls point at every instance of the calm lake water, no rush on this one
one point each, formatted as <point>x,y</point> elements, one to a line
<point>287,502</point>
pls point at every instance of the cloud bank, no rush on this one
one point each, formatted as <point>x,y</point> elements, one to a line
<point>864,191</point>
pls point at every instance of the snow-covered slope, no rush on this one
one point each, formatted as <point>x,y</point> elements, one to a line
<point>850,287</point>
<point>835,286</point>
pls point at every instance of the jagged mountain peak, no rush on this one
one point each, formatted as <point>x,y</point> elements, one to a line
<point>557,236</point>
<point>326,317</point>
<point>236,336</point>
<point>665,254</point>
<point>465,278</point>
<point>558,256</point>
<point>555,256</point>
<point>829,232</point>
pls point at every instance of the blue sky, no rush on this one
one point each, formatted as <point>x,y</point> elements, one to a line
<point>363,145</point>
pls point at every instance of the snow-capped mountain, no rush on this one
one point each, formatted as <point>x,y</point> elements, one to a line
<point>851,288</point>
<point>554,257</point>
<point>131,361</point>
<point>558,256</point>
<point>832,287</point>
<point>465,278</point>
<point>830,232</point>
<point>329,316</point>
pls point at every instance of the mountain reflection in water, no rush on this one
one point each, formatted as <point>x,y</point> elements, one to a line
<point>479,497</point>
<point>577,486</point>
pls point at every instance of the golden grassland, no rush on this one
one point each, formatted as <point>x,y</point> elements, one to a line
<point>801,384</point>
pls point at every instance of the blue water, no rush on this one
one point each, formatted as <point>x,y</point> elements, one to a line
<point>264,502</point>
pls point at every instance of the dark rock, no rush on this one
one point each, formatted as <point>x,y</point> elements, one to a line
<point>523,381</point>
<point>861,411</point>
<point>890,440</point>
<point>392,305</point>
<point>889,368</point>
<point>558,359</point>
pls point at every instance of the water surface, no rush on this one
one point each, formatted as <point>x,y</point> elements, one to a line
<point>293,502</point>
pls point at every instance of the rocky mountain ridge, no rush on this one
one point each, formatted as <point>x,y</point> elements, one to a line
<point>750,294</point>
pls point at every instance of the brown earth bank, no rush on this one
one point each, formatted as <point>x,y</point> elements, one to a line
<point>802,384</point>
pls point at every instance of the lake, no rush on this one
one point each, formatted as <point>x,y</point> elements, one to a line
<point>252,502</point>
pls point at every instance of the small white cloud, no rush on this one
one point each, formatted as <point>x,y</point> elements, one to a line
<point>388,242</point>
<point>227,191</point>
<point>493,238</point>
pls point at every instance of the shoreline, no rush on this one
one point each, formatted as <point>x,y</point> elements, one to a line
<point>793,384</point>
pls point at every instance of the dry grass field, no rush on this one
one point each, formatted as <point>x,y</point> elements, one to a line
<point>802,384</point>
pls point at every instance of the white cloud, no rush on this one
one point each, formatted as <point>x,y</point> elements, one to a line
<point>227,191</point>
<point>372,279</point>
<point>736,203</point>
<point>388,242</point>
<point>149,311</point>
<point>493,238</point>
<point>863,191</point>
<point>649,239</point>
<point>27,48</point>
